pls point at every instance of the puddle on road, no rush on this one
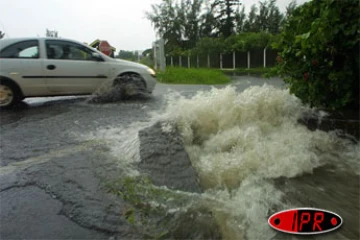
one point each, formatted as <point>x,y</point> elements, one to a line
<point>240,144</point>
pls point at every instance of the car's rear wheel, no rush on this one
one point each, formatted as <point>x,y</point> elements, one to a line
<point>8,95</point>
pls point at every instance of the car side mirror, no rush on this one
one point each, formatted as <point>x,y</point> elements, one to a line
<point>97,57</point>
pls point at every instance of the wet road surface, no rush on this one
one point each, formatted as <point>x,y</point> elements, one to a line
<point>52,181</point>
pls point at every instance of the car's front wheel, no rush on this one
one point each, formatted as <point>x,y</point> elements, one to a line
<point>8,95</point>
<point>130,84</point>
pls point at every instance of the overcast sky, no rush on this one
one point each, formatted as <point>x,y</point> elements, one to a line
<point>121,22</point>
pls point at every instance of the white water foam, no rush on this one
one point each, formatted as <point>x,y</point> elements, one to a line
<point>230,134</point>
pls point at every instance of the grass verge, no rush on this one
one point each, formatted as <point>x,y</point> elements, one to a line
<point>179,75</point>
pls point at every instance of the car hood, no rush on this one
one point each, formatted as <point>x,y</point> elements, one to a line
<point>129,63</point>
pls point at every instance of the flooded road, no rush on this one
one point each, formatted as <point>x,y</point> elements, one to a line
<point>65,162</point>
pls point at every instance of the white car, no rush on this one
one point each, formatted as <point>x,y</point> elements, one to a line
<point>35,67</point>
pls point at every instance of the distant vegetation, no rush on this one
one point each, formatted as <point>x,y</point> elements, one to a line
<point>192,27</point>
<point>317,42</point>
<point>128,55</point>
<point>145,57</point>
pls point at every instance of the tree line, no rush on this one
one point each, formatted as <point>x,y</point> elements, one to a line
<point>216,25</point>
<point>134,55</point>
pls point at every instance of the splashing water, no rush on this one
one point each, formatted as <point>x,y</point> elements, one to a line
<point>230,136</point>
<point>239,143</point>
<point>123,143</point>
<point>107,92</point>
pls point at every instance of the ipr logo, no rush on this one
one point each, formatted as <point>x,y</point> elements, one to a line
<point>305,221</point>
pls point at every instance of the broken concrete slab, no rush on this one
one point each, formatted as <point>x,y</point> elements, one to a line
<point>165,160</point>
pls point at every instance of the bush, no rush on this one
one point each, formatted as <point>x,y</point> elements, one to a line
<point>319,56</point>
<point>192,76</point>
<point>209,45</point>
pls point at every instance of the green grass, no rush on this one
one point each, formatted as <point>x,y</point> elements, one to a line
<point>179,75</point>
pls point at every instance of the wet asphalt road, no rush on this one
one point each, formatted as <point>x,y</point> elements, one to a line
<point>52,183</point>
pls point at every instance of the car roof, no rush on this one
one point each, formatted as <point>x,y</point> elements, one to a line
<point>7,41</point>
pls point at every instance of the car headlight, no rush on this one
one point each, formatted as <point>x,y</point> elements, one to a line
<point>151,71</point>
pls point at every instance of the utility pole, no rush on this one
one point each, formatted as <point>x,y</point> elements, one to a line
<point>162,54</point>
<point>159,54</point>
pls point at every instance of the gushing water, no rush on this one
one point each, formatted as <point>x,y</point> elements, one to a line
<point>230,136</point>
<point>239,143</point>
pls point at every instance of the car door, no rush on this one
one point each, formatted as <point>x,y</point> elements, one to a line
<point>71,69</point>
<point>21,62</point>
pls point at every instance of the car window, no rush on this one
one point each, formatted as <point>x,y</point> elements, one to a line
<point>24,49</point>
<point>63,50</point>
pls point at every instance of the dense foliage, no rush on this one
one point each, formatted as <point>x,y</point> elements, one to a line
<point>319,56</point>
